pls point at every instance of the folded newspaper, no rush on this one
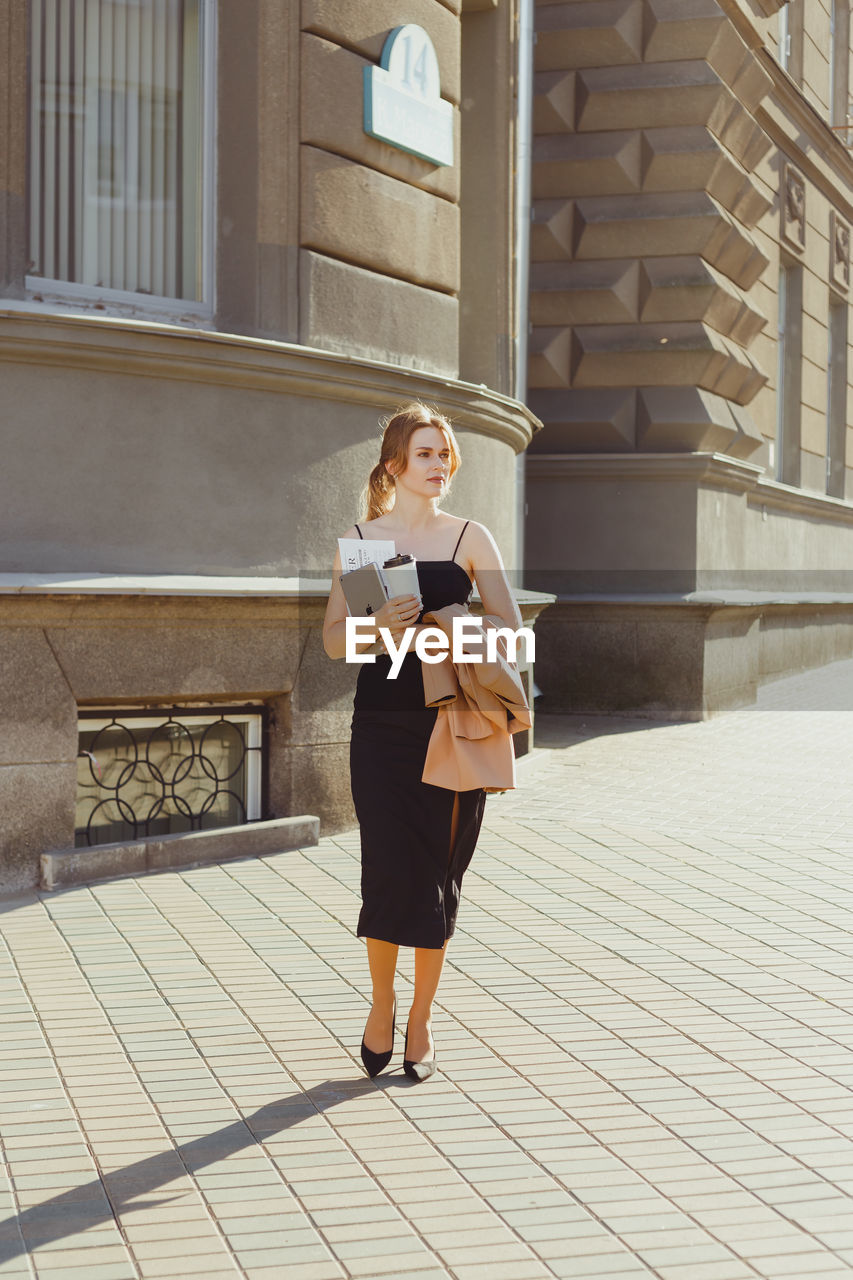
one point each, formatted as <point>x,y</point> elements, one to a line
<point>357,552</point>
<point>363,581</point>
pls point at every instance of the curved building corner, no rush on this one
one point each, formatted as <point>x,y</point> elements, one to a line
<point>206,306</point>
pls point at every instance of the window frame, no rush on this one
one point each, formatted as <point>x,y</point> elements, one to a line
<point>789,389</point>
<point>839,64</point>
<point>790,40</point>
<point>837,382</point>
<point>253,719</point>
<point>783,39</point>
<point>46,292</point>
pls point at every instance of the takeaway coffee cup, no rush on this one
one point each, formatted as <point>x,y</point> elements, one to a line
<point>401,574</point>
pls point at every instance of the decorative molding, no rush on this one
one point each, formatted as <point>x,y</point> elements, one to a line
<point>161,351</point>
<point>700,603</point>
<point>159,584</point>
<point>714,469</point>
<point>792,207</point>
<point>839,252</point>
<point>783,497</point>
<point>819,152</point>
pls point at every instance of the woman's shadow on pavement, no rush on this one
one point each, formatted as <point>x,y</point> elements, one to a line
<point>104,1197</point>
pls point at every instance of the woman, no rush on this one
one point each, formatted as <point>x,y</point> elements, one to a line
<point>416,839</point>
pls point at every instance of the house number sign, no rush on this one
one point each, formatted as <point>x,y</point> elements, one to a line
<point>402,97</point>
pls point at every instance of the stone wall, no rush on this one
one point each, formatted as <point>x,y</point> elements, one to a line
<point>643,253</point>
<point>58,653</point>
<point>238,443</point>
<point>70,649</point>
<point>677,166</point>
<point>379,227</point>
<point>146,449</point>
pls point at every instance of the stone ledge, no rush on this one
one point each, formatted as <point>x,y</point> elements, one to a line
<point>62,868</point>
<point>709,468</point>
<point>708,599</point>
<point>681,660</point>
<point>167,584</point>
<point>42,337</point>
<point>177,585</point>
<point>791,121</point>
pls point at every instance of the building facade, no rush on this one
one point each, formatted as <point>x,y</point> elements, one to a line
<point>215,280</point>
<point>690,496</point>
<point>233,236</point>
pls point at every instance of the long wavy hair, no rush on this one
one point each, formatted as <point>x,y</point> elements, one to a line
<point>378,497</point>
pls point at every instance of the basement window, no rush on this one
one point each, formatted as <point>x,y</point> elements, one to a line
<point>149,773</point>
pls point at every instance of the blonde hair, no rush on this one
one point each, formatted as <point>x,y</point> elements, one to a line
<point>379,494</point>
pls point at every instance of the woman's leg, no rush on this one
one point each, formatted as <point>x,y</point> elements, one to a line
<point>428,965</point>
<point>382,958</point>
<point>429,962</point>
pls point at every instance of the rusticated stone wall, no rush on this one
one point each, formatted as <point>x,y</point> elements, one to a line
<point>684,163</point>
<point>643,252</point>
<point>379,227</point>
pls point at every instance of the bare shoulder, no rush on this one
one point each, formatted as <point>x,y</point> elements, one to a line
<point>477,535</point>
<point>479,548</point>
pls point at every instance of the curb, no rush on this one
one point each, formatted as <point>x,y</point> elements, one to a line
<point>62,868</point>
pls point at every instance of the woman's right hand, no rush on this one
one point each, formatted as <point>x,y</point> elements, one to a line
<point>397,614</point>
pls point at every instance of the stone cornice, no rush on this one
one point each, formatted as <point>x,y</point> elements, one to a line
<point>95,600</point>
<point>793,101</point>
<point>703,602</point>
<point>716,470</point>
<point>810,143</point>
<point>783,497</point>
<point>160,584</point>
<point>187,586</point>
<point>769,6</point>
<point>141,349</point>
<point>742,22</point>
<point>710,470</point>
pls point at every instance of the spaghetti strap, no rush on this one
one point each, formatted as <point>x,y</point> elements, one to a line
<point>459,539</point>
<point>361,535</point>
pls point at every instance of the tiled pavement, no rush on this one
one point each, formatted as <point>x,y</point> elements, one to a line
<point>645,1034</point>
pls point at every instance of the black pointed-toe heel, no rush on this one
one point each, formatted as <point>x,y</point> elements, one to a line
<point>417,1071</point>
<point>376,1062</point>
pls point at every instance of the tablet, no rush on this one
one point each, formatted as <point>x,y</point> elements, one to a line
<point>363,591</point>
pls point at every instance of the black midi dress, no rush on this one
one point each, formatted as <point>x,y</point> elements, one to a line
<point>411,878</point>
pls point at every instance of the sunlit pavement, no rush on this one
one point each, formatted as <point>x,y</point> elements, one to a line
<point>645,1037</point>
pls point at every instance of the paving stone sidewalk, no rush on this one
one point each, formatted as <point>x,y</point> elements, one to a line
<point>645,1035</point>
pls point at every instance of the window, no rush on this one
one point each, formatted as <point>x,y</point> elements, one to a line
<point>119,129</point>
<point>144,774</point>
<point>784,38</point>
<point>789,384</point>
<point>836,399</point>
<point>791,34</point>
<point>840,63</point>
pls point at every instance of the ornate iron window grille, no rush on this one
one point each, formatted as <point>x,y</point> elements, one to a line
<point>185,769</point>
